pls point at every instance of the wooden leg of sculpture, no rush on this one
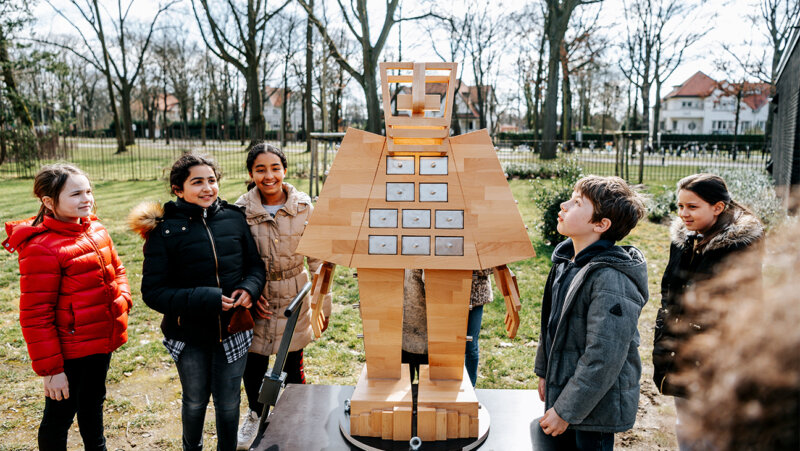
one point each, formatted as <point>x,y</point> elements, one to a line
<point>383,391</point>
<point>444,383</point>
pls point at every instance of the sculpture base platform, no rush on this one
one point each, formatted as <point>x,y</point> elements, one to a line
<point>376,443</point>
<point>308,417</point>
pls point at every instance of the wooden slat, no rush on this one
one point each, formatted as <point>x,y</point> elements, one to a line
<point>387,423</point>
<point>412,132</point>
<point>432,102</point>
<point>426,423</point>
<point>401,425</point>
<point>441,424</point>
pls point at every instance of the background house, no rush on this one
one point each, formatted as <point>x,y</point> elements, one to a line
<point>702,105</point>
<point>273,100</point>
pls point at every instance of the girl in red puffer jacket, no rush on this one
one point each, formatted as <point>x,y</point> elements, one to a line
<point>74,303</point>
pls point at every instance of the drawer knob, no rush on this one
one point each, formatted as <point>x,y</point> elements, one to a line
<point>399,165</point>
<point>383,218</point>
<point>433,193</point>
<point>449,219</point>
<point>399,192</point>
<point>449,244</point>
<point>416,244</point>
<point>416,219</point>
<point>383,244</point>
<point>433,164</point>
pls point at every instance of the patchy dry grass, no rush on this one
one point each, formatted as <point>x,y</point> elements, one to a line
<point>142,410</point>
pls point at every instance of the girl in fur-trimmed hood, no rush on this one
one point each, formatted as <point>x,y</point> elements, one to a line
<point>711,228</point>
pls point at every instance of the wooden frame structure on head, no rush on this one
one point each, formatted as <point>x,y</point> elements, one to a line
<point>418,133</point>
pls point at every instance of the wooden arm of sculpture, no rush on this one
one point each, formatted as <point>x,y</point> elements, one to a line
<point>506,282</point>
<point>320,286</point>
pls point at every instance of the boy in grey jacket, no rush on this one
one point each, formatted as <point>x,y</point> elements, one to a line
<point>588,362</point>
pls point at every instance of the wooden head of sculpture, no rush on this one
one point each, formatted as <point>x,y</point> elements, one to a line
<point>412,131</point>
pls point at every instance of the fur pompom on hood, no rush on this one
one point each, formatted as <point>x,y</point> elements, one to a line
<point>744,230</point>
<point>145,217</point>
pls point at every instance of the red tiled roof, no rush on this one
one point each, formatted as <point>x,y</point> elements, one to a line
<point>759,93</point>
<point>698,85</point>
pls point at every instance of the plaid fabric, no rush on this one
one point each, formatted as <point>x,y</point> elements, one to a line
<point>174,347</point>
<point>235,346</point>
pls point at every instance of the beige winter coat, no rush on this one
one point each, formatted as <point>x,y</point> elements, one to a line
<point>277,239</point>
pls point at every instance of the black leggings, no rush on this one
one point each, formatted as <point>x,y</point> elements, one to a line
<point>257,366</point>
<point>87,392</point>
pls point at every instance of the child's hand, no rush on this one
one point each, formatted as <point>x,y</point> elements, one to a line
<point>541,388</point>
<point>242,298</point>
<point>262,308</point>
<point>56,387</point>
<point>552,424</point>
<point>227,303</point>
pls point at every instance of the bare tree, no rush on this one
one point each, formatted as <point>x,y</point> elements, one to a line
<point>241,44</point>
<point>557,23</point>
<point>13,16</point>
<point>655,49</point>
<point>120,72</point>
<point>458,41</point>
<point>356,16</point>
<point>578,53</point>
<point>483,39</point>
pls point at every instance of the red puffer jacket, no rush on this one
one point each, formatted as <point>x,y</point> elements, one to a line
<point>75,295</point>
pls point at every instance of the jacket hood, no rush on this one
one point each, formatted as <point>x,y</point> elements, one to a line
<point>629,261</point>
<point>296,201</point>
<point>744,230</point>
<point>21,231</point>
<point>145,217</point>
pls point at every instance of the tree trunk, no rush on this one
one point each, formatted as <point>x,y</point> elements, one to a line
<point>164,115</point>
<point>736,119</point>
<point>537,92</point>
<point>309,113</point>
<point>370,86</point>
<point>17,105</point>
<point>127,116</point>
<point>549,128</point>
<point>257,122</point>
<point>285,100</point>
<point>107,72</point>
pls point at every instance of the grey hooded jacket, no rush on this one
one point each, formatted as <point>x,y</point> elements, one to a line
<point>593,368</point>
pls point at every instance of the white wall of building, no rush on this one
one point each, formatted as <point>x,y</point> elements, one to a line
<point>714,114</point>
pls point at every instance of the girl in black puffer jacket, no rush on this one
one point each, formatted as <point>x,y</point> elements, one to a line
<point>201,270</point>
<point>710,229</point>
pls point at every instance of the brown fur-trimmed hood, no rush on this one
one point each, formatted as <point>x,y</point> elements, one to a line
<point>744,230</point>
<point>145,217</point>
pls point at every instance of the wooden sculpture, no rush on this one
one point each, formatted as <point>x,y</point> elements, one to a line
<point>417,198</point>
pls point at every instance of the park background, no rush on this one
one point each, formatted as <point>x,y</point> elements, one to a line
<point>564,87</point>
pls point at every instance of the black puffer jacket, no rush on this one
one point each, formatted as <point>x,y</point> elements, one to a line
<point>689,264</point>
<point>192,257</point>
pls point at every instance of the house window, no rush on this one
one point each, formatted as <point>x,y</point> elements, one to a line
<point>674,125</point>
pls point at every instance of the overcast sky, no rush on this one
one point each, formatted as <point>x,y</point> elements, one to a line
<point>725,20</point>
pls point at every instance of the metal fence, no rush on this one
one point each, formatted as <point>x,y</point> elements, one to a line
<point>151,159</point>
<point>626,158</point>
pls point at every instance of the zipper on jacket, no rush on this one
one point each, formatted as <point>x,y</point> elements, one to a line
<point>216,264</point>
<point>105,285</point>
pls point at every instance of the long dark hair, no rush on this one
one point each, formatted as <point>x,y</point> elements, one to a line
<point>49,182</point>
<point>181,169</point>
<point>258,149</point>
<point>712,189</point>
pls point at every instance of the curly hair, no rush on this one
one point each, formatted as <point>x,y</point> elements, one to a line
<point>743,371</point>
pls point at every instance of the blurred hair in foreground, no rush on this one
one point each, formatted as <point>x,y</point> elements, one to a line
<point>746,392</point>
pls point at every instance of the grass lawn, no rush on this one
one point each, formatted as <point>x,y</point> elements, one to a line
<point>143,404</point>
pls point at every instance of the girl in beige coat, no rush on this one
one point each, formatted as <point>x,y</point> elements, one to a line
<point>277,214</point>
